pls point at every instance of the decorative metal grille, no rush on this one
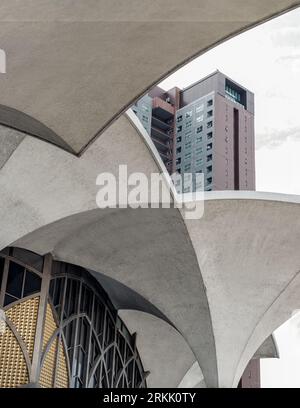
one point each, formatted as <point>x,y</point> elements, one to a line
<point>84,343</point>
<point>101,351</point>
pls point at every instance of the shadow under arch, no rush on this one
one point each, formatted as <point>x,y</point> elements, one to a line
<point>115,242</point>
<point>22,122</point>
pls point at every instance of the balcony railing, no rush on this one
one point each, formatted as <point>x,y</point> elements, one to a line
<point>160,134</point>
<point>160,103</point>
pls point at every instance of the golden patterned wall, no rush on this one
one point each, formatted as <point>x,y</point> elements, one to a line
<point>55,353</point>
<point>24,317</point>
<point>13,367</point>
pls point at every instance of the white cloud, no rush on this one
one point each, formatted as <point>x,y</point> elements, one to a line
<point>276,137</point>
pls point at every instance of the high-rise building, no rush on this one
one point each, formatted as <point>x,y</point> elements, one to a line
<point>143,110</point>
<point>206,128</point>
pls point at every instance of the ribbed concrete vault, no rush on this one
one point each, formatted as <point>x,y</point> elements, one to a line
<point>225,281</point>
<point>74,66</point>
<point>243,293</point>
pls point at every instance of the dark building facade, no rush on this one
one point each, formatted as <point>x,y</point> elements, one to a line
<point>60,328</point>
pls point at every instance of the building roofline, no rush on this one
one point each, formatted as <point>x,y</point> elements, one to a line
<point>201,80</point>
<point>217,71</point>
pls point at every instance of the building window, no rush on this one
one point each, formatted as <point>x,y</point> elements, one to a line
<point>179,128</point>
<point>209,157</point>
<point>178,161</point>
<point>209,169</point>
<point>187,189</point>
<point>188,145</point>
<point>209,146</point>
<point>233,94</point>
<point>187,167</point>
<point>200,108</point>
<point>210,103</point>
<point>199,118</point>
<point>188,125</point>
<point>198,139</point>
<point>209,114</point>
<point>199,150</point>
<point>209,180</point>
<point>199,129</point>
<point>178,150</point>
<point>179,118</point>
<point>209,124</point>
<point>188,156</point>
<point>189,114</point>
<point>209,135</point>
<point>21,282</point>
<point>178,139</point>
<point>199,162</point>
<point>85,343</point>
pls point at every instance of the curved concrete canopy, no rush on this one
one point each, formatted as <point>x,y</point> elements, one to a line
<point>74,66</point>
<point>224,292</point>
<point>41,183</point>
<point>123,297</point>
<point>193,377</point>
<point>166,365</point>
<point>250,289</point>
<point>9,141</point>
<point>268,349</point>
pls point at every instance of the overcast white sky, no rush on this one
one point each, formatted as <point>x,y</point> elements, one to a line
<point>266,60</point>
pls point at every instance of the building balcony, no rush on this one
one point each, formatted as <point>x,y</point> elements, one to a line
<point>165,156</point>
<point>156,122</point>
<point>161,147</point>
<point>162,109</point>
<point>160,134</point>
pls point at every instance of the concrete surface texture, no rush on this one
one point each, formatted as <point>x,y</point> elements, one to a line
<point>194,376</point>
<point>207,292</point>
<point>74,66</point>
<point>223,283</point>
<point>226,311</point>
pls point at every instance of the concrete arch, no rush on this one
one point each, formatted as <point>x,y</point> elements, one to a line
<point>124,298</point>
<point>165,364</point>
<point>41,183</point>
<point>26,124</point>
<point>44,192</point>
<point>250,267</point>
<point>243,306</point>
<point>268,349</point>
<point>131,246</point>
<point>226,280</point>
<point>193,378</point>
<point>64,59</point>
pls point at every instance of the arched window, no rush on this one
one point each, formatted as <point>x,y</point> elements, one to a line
<point>83,342</point>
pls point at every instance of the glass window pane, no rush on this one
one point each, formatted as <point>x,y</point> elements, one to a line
<point>15,280</point>
<point>1,270</point>
<point>32,283</point>
<point>9,299</point>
